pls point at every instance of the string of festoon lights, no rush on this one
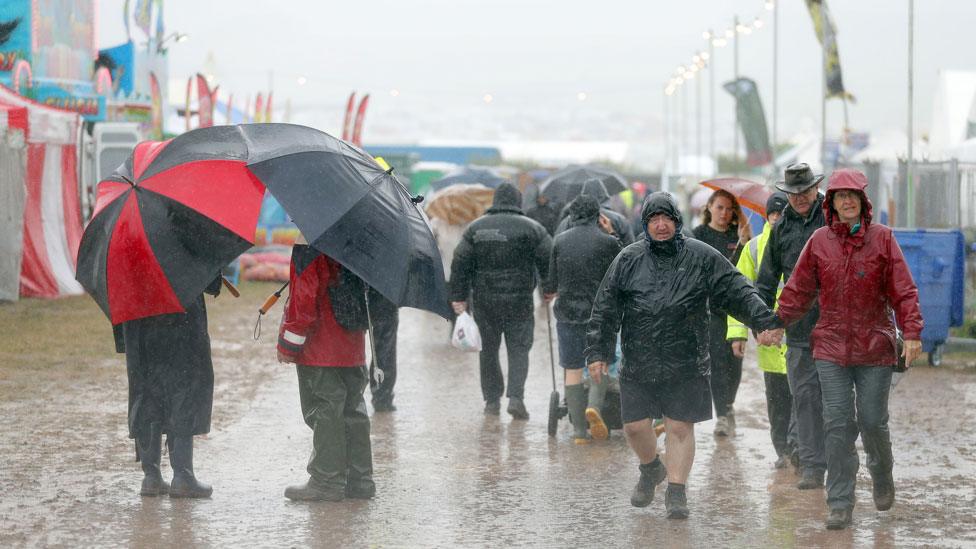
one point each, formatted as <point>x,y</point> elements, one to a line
<point>685,73</point>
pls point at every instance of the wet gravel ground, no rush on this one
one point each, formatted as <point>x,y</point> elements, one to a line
<point>449,476</point>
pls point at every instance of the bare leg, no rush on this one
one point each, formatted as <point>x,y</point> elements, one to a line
<point>680,444</point>
<point>574,377</point>
<point>640,435</point>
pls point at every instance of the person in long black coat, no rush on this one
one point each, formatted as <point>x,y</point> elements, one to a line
<point>171,382</point>
<point>500,259</point>
<point>658,293</point>
<point>596,189</point>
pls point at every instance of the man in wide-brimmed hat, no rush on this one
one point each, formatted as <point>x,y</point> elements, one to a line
<point>801,218</point>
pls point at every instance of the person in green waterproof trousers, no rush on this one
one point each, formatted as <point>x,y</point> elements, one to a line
<point>330,362</point>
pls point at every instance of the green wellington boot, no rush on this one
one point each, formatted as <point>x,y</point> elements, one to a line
<point>576,402</point>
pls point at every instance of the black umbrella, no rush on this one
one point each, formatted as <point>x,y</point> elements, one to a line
<point>565,184</point>
<point>470,175</point>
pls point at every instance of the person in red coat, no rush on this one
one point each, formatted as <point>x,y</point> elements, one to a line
<point>331,379</point>
<point>856,271</point>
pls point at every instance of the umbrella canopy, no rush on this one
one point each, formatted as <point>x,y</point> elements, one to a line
<point>564,185</point>
<point>750,194</point>
<point>469,175</point>
<point>344,203</point>
<point>460,204</point>
<point>162,228</point>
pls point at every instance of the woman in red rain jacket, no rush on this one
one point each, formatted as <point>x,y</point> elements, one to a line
<point>856,271</point>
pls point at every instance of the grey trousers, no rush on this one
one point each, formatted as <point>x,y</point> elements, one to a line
<point>846,389</point>
<point>807,408</point>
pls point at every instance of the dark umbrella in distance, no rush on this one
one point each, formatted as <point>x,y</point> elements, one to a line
<point>564,185</point>
<point>470,175</point>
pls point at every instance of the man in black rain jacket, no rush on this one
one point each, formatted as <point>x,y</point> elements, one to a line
<point>657,293</point>
<point>500,258</point>
<point>596,189</point>
<point>801,218</point>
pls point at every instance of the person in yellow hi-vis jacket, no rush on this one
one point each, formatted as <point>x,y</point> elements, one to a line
<point>772,359</point>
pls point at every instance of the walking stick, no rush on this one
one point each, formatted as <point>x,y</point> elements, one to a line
<point>554,396</point>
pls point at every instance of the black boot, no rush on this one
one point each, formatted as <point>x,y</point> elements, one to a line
<point>676,502</point>
<point>651,474</point>
<point>149,446</point>
<point>185,484</point>
<point>811,480</point>
<point>313,491</point>
<point>884,491</point>
<point>838,519</point>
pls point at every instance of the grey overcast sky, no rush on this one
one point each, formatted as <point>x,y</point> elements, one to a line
<point>534,57</point>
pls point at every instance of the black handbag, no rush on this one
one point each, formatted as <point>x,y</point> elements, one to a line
<point>348,297</point>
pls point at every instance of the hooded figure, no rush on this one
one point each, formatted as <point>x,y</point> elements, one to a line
<point>657,293</point>
<point>855,270</point>
<point>500,259</point>
<point>596,189</point>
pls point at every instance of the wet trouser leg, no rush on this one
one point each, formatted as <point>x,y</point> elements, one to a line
<point>807,408</point>
<point>837,384</point>
<point>872,385</point>
<point>333,406</point>
<point>518,342</point>
<point>779,403</point>
<point>726,368</point>
<point>385,330</point>
<point>492,382</point>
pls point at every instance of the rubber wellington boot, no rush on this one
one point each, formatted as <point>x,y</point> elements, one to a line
<point>150,447</point>
<point>884,491</point>
<point>185,483</point>
<point>576,403</point>
<point>313,491</point>
<point>598,427</point>
<point>651,474</point>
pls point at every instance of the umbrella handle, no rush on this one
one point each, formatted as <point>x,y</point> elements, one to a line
<point>230,287</point>
<point>268,303</point>
<point>552,357</point>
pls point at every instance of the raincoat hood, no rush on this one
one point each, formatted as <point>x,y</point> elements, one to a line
<point>583,210</point>
<point>847,179</point>
<point>507,198</point>
<point>657,203</point>
<point>596,189</point>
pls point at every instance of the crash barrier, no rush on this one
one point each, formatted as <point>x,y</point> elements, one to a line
<point>945,195</point>
<point>936,259</point>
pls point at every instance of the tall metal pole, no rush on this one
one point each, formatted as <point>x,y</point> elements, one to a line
<point>735,80</point>
<point>698,136</point>
<point>684,125</point>
<point>910,168</point>
<point>711,97</point>
<point>775,79</point>
<point>665,171</point>
<point>823,92</point>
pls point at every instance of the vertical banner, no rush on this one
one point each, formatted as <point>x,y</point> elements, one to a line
<point>823,25</point>
<point>347,121</point>
<point>230,109</point>
<point>752,120</point>
<point>143,15</point>
<point>267,108</point>
<point>204,103</point>
<point>357,130</point>
<point>259,109</point>
<point>189,92</point>
<point>246,113</point>
<point>157,107</point>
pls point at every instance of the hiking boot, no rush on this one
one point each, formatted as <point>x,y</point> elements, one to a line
<point>597,426</point>
<point>360,489</point>
<point>838,519</point>
<point>651,474</point>
<point>185,483</point>
<point>722,428</point>
<point>493,408</point>
<point>516,408</point>
<point>782,461</point>
<point>811,480</point>
<point>675,502</point>
<point>311,491</point>
<point>884,492</point>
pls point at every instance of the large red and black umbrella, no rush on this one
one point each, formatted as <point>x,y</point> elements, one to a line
<point>177,211</point>
<point>164,224</point>
<point>750,194</point>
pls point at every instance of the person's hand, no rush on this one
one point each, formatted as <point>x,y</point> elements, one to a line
<point>913,348</point>
<point>597,369</point>
<point>459,306</point>
<point>285,359</point>
<point>744,233</point>
<point>739,348</point>
<point>771,337</point>
<point>549,297</point>
<point>606,225</point>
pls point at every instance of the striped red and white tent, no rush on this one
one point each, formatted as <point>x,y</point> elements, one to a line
<point>51,213</point>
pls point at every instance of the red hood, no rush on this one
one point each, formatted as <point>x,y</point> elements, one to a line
<point>852,180</point>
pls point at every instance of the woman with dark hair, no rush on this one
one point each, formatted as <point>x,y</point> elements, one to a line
<point>855,270</point>
<point>725,228</point>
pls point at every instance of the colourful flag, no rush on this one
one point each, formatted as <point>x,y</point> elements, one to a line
<point>143,15</point>
<point>267,108</point>
<point>204,102</point>
<point>259,109</point>
<point>357,129</point>
<point>157,107</point>
<point>752,121</point>
<point>823,24</point>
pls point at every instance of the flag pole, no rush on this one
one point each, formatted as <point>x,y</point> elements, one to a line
<point>910,167</point>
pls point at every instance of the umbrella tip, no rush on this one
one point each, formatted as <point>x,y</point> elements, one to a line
<point>417,199</point>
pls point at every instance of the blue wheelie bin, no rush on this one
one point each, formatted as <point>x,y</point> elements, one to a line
<point>937,259</point>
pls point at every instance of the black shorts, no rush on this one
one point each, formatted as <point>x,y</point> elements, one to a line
<point>688,400</point>
<point>572,345</point>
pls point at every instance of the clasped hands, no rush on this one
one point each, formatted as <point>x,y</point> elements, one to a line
<point>771,337</point>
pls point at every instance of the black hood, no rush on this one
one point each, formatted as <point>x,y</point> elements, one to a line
<point>584,210</point>
<point>657,203</point>
<point>596,189</point>
<point>508,198</point>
